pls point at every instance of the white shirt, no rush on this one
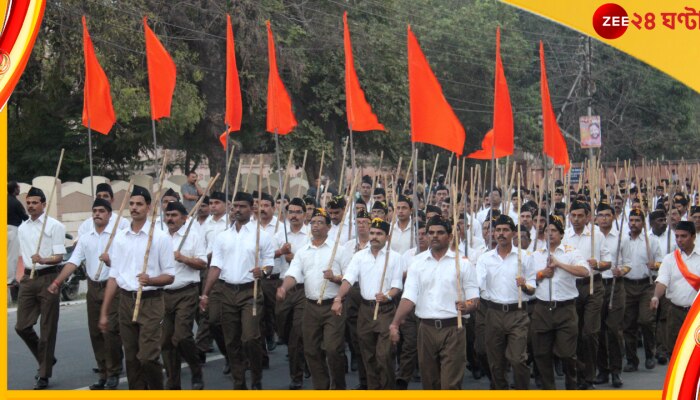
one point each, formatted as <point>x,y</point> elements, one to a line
<point>407,258</point>
<point>193,247</point>
<point>233,253</point>
<point>432,285</point>
<point>401,238</point>
<point>89,249</point>
<point>87,225</point>
<point>582,243</point>
<point>537,244</point>
<point>563,282</point>
<point>639,257</point>
<point>623,259</point>
<point>212,228</point>
<point>296,240</point>
<point>367,269</point>
<point>678,290</point>
<point>270,227</point>
<point>52,243</point>
<point>308,266</point>
<point>349,249</point>
<point>344,237</point>
<point>496,275</point>
<point>662,241</point>
<point>127,252</point>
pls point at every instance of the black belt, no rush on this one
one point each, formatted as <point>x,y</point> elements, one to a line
<point>41,272</point>
<point>554,304</point>
<point>440,323</point>
<point>145,294</point>
<point>323,302</point>
<point>585,281</point>
<point>373,303</point>
<point>238,286</point>
<point>682,308</point>
<point>637,281</point>
<point>182,289</point>
<point>504,307</point>
<point>273,276</point>
<point>99,284</point>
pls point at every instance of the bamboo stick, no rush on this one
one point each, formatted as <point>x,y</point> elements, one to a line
<point>115,228</point>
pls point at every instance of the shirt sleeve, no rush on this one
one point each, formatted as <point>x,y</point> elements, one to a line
<point>294,270</point>
<point>480,272</point>
<point>529,271</point>
<point>656,250</point>
<point>665,270</point>
<point>57,239</point>
<point>352,271</point>
<point>267,252</point>
<point>112,251</point>
<point>578,260</point>
<point>200,250</point>
<point>78,255</point>
<point>605,255</point>
<point>411,288</point>
<point>397,276</point>
<point>166,260</point>
<point>470,284</point>
<point>217,252</point>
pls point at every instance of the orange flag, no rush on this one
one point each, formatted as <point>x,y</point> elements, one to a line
<point>98,112</point>
<point>234,104</point>
<point>498,142</point>
<point>432,118</point>
<point>161,74</point>
<point>280,118</point>
<point>360,115</point>
<point>554,143</point>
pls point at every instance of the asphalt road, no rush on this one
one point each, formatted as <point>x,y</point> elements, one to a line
<point>75,363</point>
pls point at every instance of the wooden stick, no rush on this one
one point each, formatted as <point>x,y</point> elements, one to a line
<point>228,167</point>
<point>520,247</point>
<point>257,237</point>
<point>377,174</point>
<point>282,191</point>
<point>342,168</point>
<point>193,212</point>
<point>432,179</point>
<point>320,176</point>
<point>386,258</point>
<point>453,191</point>
<point>448,178</point>
<point>156,206</point>
<point>115,228</point>
<point>592,193</point>
<point>405,180</point>
<point>335,245</point>
<point>46,212</point>
<point>250,171</point>
<point>303,168</point>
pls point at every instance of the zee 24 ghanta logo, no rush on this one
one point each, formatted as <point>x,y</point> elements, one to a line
<point>611,20</point>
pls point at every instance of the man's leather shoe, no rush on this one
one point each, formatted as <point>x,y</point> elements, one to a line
<point>558,367</point>
<point>662,359</point>
<point>650,363</point>
<point>99,385</point>
<point>295,386</point>
<point>476,373</point>
<point>197,384</point>
<point>360,387</point>
<point>353,364</point>
<point>601,379</point>
<point>585,386</point>
<point>41,384</point>
<point>202,358</point>
<point>112,382</point>
<point>401,384</point>
<point>616,381</point>
<point>256,386</point>
<point>227,369</point>
<point>630,368</point>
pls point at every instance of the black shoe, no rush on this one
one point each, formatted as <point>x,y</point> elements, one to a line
<point>256,386</point>
<point>630,368</point>
<point>353,364</point>
<point>616,381</point>
<point>585,386</point>
<point>307,372</point>
<point>197,384</point>
<point>112,382</point>
<point>662,359</point>
<point>360,387</point>
<point>41,384</point>
<point>538,382</point>
<point>266,364</point>
<point>650,363</point>
<point>99,385</point>
<point>401,384</point>
<point>295,385</point>
<point>271,343</point>
<point>227,369</point>
<point>96,370</point>
<point>558,368</point>
<point>476,373</point>
<point>202,358</point>
<point>601,379</point>
<point>54,363</point>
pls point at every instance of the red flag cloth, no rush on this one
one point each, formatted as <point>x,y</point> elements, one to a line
<point>280,117</point>
<point>234,104</point>
<point>161,74</point>
<point>502,108</point>
<point>223,139</point>
<point>98,112</point>
<point>486,148</point>
<point>554,143</point>
<point>432,118</point>
<point>360,115</point>
<point>693,280</point>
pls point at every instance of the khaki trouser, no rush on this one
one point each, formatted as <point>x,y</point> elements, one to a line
<point>289,314</point>
<point>662,346</point>
<point>178,340</point>
<point>324,345</point>
<point>204,339</point>
<point>676,317</point>
<point>352,308</point>
<point>554,329</point>
<point>506,343</point>
<point>442,355</point>
<point>610,340</point>
<point>242,331</point>
<point>378,353</point>
<point>480,337</point>
<point>142,339</point>
<point>408,359</point>
<point>588,308</point>
<point>638,315</point>
<point>107,347</point>
<point>34,301</point>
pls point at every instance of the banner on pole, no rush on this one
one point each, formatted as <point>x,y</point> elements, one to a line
<point>590,132</point>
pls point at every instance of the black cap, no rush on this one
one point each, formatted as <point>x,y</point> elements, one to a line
<point>309,200</point>
<point>406,200</point>
<point>104,187</point>
<point>686,226</point>
<point>243,196</point>
<point>604,206</point>
<point>381,206</point>
<point>636,212</point>
<point>504,220</point>
<point>432,208</point>
<point>558,222</point>
<point>367,179</point>
<point>102,203</point>
<point>336,202</point>
<point>379,191</point>
<point>205,200</point>
<point>266,197</point>
<point>379,223</point>
<point>320,212</point>
<point>171,193</point>
<point>363,214</point>
<point>694,210</point>
<point>218,196</point>
<point>659,213</point>
<point>297,202</point>
<point>141,191</point>
<point>579,205</point>
<point>176,206</point>
<point>36,192</point>
<point>439,220</point>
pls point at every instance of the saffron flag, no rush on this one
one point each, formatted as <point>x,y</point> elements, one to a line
<point>554,143</point>
<point>234,104</point>
<point>161,74</point>
<point>498,142</point>
<point>432,118</point>
<point>98,112</point>
<point>280,118</point>
<point>360,115</point>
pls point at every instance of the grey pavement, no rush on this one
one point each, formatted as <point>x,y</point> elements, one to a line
<point>75,363</point>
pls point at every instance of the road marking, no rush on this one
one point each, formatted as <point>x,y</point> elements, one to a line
<point>183,365</point>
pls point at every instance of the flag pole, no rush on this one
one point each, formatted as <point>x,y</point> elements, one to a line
<point>352,195</point>
<point>414,227</point>
<point>281,190</point>
<point>92,179</point>
<point>155,143</point>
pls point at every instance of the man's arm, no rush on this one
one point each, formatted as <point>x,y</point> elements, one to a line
<point>110,292</point>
